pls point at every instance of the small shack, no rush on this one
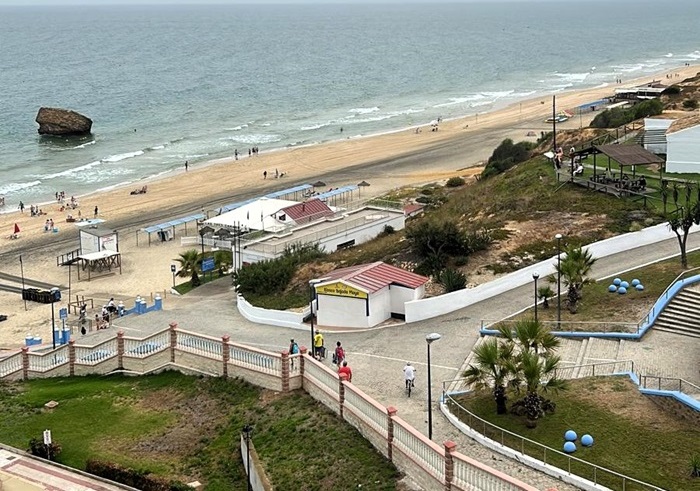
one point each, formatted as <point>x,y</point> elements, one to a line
<point>366,295</point>
<point>98,239</point>
<point>683,142</point>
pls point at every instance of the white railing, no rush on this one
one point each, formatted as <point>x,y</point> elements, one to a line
<point>94,355</point>
<point>369,411</point>
<point>419,449</point>
<point>143,348</point>
<point>209,242</point>
<point>199,345</point>
<point>259,360</point>
<point>10,365</point>
<point>43,362</point>
<point>295,365</point>
<point>469,475</point>
<point>321,375</point>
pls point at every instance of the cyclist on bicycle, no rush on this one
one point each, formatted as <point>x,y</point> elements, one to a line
<point>409,374</point>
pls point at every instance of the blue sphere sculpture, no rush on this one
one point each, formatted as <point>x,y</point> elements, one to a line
<point>640,287</point>
<point>570,436</point>
<point>635,282</point>
<point>622,290</point>
<point>617,281</point>
<point>612,288</point>
<point>587,440</point>
<point>569,447</point>
<point>625,284</point>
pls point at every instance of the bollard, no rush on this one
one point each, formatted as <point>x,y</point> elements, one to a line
<point>158,302</point>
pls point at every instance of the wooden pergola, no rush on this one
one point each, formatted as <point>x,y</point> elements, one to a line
<point>624,155</point>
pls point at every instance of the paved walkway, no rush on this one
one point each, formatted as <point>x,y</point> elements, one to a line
<point>377,356</point>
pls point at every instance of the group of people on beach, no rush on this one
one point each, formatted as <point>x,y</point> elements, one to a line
<point>278,174</point>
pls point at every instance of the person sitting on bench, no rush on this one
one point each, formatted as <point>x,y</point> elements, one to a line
<point>578,170</point>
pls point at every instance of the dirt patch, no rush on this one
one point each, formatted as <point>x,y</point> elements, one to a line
<point>620,396</point>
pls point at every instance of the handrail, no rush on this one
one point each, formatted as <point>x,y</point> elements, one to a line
<point>545,449</point>
<point>680,381</point>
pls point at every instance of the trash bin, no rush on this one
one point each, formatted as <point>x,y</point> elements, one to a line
<point>65,336</point>
<point>37,341</point>
<point>57,336</point>
<point>29,341</point>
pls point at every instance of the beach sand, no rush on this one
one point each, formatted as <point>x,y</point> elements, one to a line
<point>386,161</point>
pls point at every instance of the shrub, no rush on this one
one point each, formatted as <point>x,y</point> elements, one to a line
<point>136,478</point>
<point>694,466</point>
<point>427,191</point>
<point>672,90</point>
<point>452,280</point>
<point>433,237</point>
<point>432,265</point>
<point>39,449</point>
<point>612,118</point>
<point>505,156</point>
<point>478,240</point>
<point>455,182</point>
<point>388,230</point>
<point>690,104</point>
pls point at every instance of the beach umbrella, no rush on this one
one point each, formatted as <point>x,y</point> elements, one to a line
<point>16,229</point>
<point>319,184</point>
<point>361,185</point>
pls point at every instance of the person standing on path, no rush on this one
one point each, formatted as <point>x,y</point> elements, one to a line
<point>346,370</point>
<point>318,346</point>
<point>187,165</point>
<point>21,207</point>
<point>338,354</point>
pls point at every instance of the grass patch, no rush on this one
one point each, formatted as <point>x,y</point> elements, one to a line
<point>188,428</point>
<point>284,301</point>
<point>633,436</point>
<point>204,278</point>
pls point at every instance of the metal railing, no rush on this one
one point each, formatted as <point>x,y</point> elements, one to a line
<point>669,383</point>
<point>572,326</point>
<point>565,462</point>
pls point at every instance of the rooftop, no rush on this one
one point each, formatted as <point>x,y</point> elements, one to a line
<point>375,276</point>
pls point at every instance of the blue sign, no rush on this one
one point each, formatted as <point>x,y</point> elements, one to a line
<point>63,313</point>
<point>207,264</point>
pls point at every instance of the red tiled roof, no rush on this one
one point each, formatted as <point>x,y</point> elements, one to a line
<point>409,210</point>
<point>308,210</point>
<point>375,276</point>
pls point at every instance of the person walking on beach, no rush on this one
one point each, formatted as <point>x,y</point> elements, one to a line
<point>235,154</point>
<point>264,174</point>
<point>96,211</point>
<point>21,207</point>
<point>187,164</point>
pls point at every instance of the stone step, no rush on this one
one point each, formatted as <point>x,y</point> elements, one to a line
<point>585,349</point>
<point>602,350</point>
<point>569,349</point>
<point>684,308</point>
<point>672,319</point>
<point>672,328</point>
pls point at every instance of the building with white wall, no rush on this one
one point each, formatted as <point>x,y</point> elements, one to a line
<point>366,295</point>
<point>654,138</point>
<point>683,146</point>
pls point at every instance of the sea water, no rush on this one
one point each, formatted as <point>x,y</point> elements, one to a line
<point>169,84</point>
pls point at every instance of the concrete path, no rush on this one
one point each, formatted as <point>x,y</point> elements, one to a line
<point>377,356</point>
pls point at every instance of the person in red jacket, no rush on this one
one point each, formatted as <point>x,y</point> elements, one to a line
<point>346,370</point>
<point>339,354</point>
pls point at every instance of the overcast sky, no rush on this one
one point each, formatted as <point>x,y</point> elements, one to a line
<point>202,2</point>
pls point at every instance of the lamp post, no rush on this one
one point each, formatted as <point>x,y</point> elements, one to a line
<point>558,237</point>
<point>535,276</point>
<point>55,296</point>
<point>311,309</point>
<point>429,339</point>
<point>247,430</point>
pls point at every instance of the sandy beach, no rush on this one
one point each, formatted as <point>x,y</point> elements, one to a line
<point>386,161</point>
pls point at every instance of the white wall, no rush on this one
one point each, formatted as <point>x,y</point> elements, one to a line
<point>281,318</point>
<point>92,243</point>
<point>379,306</point>
<point>683,153</point>
<point>362,234</point>
<point>655,133</point>
<point>400,295</point>
<point>342,311</point>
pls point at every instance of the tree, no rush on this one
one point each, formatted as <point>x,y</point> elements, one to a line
<point>574,269</point>
<point>495,367</point>
<point>530,335</point>
<point>189,260</point>
<point>680,222</point>
<point>538,376</point>
<point>545,293</point>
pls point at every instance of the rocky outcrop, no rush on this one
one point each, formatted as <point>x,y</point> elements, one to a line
<point>54,121</point>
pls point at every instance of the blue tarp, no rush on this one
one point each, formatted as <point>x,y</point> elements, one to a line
<point>336,192</point>
<point>173,223</point>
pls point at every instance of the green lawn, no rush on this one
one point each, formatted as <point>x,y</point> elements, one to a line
<point>187,428</point>
<point>633,436</point>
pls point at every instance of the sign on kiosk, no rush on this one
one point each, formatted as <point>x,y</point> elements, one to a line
<point>340,289</point>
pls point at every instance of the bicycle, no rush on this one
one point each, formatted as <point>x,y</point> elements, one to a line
<point>410,384</point>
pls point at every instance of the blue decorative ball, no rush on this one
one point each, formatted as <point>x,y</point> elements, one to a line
<point>635,282</point>
<point>570,436</point>
<point>622,290</point>
<point>617,281</point>
<point>569,447</point>
<point>624,284</point>
<point>612,288</point>
<point>587,440</point>
<point>639,287</point>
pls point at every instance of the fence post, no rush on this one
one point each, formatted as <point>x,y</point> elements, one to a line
<point>341,391</point>
<point>450,447</point>
<point>225,354</point>
<point>173,340</point>
<point>71,357</point>
<point>285,371</point>
<point>25,363</point>
<point>120,350</point>
<point>390,413</point>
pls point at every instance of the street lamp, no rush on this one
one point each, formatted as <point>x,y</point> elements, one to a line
<point>535,277</point>
<point>247,430</point>
<point>311,309</point>
<point>173,269</point>
<point>55,297</point>
<point>558,237</point>
<point>429,339</point>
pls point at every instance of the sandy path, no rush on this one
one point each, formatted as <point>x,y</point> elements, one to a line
<point>387,161</point>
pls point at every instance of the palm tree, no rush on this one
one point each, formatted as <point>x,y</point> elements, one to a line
<point>223,260</point>
<point>495,366</point>
<point>574,270</point>
<point>531,335</point>
<point>189,260</point>
<point>538,376</point>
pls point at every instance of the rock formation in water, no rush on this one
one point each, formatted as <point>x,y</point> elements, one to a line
<point>54,121</point>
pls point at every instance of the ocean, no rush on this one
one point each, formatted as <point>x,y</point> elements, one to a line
<point>166,84</point>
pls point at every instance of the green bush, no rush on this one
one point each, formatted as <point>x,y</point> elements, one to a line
<point>136,478</point>
<point>505,156</point>
<point>612,118</point>
<point>388,230</point>
<point>478,240</point>
<point>39,449</point>
<point>427,191</point>
<point>455,182</point>
<point>434,237</point>
<point>690,104</point>
<point>672,90</point>
<point>452,280</point>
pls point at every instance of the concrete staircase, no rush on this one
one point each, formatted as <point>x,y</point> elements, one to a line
<point>682,314</point>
